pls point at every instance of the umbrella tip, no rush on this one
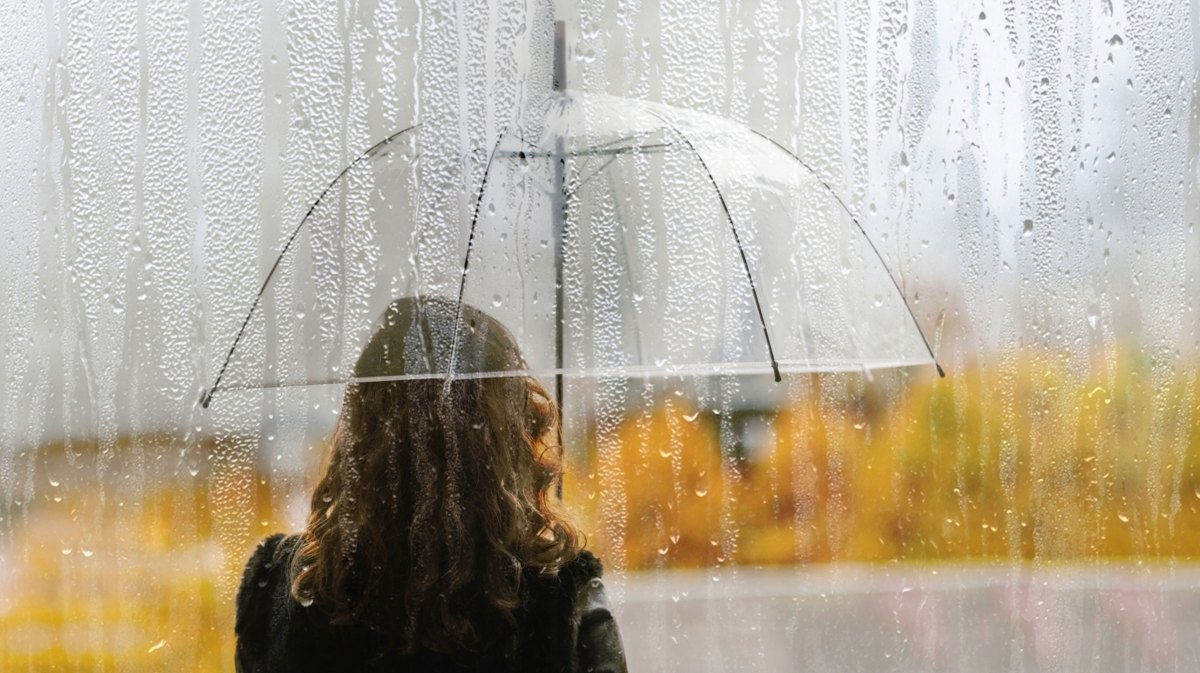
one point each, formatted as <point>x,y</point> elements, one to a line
<point>941,372</point>
<point>775,368</point>
<point>205,398</point>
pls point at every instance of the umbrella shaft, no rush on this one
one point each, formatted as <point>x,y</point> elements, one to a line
<point>559,216</point>
<point>558,222</point>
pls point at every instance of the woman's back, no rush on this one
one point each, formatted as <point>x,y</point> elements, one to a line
<point>433,542</point>
<point>564,625</point>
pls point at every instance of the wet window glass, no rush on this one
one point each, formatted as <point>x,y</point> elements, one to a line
<point>872,325</point>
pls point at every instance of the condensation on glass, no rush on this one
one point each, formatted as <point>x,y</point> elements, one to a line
<point>1021,176</point>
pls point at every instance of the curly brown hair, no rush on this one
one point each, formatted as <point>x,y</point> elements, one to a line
<point>436,498</point>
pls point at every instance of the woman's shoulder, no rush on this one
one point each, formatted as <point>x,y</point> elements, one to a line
<point>264,584</point>
<point>267,553</point>
<point>269,561</point>
<point>598,646</point>
<point>582,569</point>
<point>563,586</point>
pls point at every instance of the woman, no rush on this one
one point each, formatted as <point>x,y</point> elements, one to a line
<point>432,544</point>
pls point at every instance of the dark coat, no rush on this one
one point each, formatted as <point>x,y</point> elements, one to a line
<point>564,627</point>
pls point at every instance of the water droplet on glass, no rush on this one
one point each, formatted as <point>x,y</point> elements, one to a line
<point>1027,228</point>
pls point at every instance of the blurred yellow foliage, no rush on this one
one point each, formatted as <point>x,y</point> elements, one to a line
<point>113,578</point>
<point>1015,459</point>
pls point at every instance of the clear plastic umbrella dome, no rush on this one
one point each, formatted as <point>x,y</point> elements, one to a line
<point>609,236</point>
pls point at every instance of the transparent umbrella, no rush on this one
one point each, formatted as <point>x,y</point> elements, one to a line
<point>611,236</point>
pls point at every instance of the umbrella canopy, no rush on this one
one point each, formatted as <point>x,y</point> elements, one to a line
<point>611,236</point>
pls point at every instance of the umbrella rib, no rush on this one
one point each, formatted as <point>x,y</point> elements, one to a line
<point>207,395</point>
<point>736,239</point>
<point>593,152</point>
<point>462,284</point>
<point>891,276</point>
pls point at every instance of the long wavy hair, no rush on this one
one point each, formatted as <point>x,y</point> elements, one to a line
<point>435,502</point>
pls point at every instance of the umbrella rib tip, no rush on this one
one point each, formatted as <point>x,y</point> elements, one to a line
<point>941,372</point>
<point>775,368</point>
<point>205,398</point>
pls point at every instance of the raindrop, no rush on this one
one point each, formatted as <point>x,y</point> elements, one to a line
<point>878,300</point>
<point>497,301</point>
<point>1027,228</point>
<point>1115,41</point>
<point>1112,156</point>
